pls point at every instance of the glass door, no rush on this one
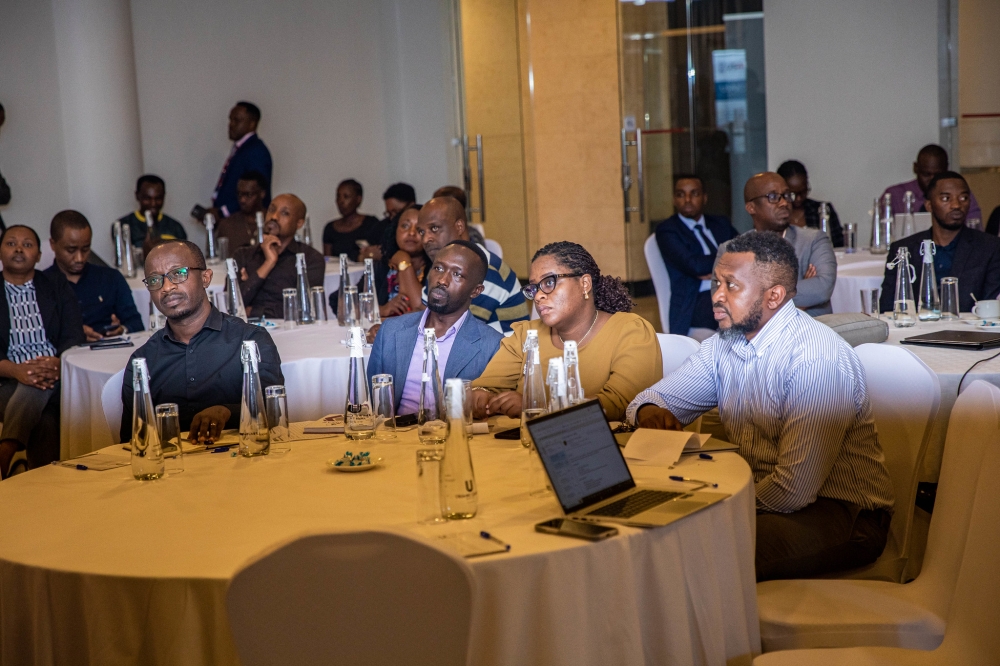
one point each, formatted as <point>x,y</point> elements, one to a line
<point>692,94</point>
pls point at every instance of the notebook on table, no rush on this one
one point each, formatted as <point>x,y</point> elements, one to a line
<point>956,339</point>
<point>591,479</point>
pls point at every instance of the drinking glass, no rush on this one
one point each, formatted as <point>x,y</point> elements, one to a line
<point>369,310</point>
<point>428,488</point>
<point>383,405</point>
<point>352,316</point>
<point>318,295</point>
<point>222,249</point>
<point>850,238</point>
<point>290,299</point>
<point>974,223</point>
<point>276,404</point>
<point>949,298</point>
<point>169,424</point>
<point>870,301</point>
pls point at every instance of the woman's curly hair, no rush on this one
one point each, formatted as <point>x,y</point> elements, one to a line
<point>610,295</point>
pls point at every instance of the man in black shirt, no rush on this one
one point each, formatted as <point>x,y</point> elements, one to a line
<point>195,360</point>
<point>268,269</point>
<point>150,193</point>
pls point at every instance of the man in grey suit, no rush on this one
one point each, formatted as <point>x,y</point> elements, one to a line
<point>465,343</point>
<point>769,202</point>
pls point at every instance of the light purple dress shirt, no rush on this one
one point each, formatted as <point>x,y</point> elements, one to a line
<point>410,402</point>
<point>899,191</point>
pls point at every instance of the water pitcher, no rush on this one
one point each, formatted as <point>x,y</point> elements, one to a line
<point>904,309</point>
<point>459,496</point>
<point>929,305</point>
<point>432,424</point>
<point>255,436</point>
<point>305,313</point>
<point>234,297</point>
<point>147,454</point>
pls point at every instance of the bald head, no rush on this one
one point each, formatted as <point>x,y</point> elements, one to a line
<point>285,216</point>
<point>441,221</point>
<point>176,253</point>
<point>768,215</point>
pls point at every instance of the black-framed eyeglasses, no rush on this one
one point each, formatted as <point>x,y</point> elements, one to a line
<point>177,275</point>
<point>546,285</point>
<point>775,197</point>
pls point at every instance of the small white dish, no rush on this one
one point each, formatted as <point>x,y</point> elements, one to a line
<point>331,463</point>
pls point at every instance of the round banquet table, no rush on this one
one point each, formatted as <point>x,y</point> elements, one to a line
<point>98,568</point>
<point>949,365</point>
<point>314,363</point>
<point>331,283</point>
<point>861,270</point>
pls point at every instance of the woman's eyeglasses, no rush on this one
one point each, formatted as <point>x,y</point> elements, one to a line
<point>176,275</point>
<point>546,285</point>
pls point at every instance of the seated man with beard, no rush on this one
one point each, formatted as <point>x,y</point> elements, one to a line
<point>792,395</point>
<point>465,344</point>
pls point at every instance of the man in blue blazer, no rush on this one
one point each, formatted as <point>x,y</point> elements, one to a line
<point>248,154</point>
<point>688,241</point>
<point>465,343</point>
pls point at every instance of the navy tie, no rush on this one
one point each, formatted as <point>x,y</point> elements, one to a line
<point>698,229</point>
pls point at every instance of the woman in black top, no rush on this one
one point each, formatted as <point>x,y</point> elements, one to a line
<point>342,235</point>
<point>805,211</point>
<point>399,279</point>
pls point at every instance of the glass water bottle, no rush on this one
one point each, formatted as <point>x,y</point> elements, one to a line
<point>556,381</point>
<point>307,236</point>
<point>459,496</point>
<point>824,221</point>
<point>904,310</point>
<point>116,236</point>
<point>432,424</point>
<point>234,297</point>
<point>212,255</point>
<point>128,257</point>
<point>929,305</point>
<point>878,245</point>
<point>305,314</point>
<point>571,361</point>
<point>909,224</point>
<point>359,420</point>
<point>533,400</point>
<point>887,221</point>
<point>260,228</point>
<point>345,280</point>
<point>255,436</point>
<point>147,453</point>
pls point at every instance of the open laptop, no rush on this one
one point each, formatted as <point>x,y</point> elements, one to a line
<point>956,339</point>
<point>590,478</point>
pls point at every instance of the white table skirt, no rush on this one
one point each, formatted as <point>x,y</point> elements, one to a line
<point>861,270</point>
<point>313,361</point>
<point>331,283</point>
<point>98,568</point>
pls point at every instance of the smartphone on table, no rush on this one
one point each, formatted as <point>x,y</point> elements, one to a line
<point>576,529</point>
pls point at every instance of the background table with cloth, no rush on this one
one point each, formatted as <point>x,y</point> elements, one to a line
<point>313,360</point>
<point>855,272</point>
<point>96,567</point>
<point>331,283</point>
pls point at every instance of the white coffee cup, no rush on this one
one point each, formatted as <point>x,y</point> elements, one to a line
<point>987,309</point>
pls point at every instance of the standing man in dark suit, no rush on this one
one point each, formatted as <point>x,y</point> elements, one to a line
<point>248,154</point>
<point>465,343</point>
<point>967,254</point>
<point>688,241</point>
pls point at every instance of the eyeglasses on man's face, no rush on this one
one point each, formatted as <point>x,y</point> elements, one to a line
<point>177,275</point>
<point>775,197</point>
<point>546,285</point>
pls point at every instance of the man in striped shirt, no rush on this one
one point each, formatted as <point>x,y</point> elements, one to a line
<point>441,221</point>
<point>792,396</point>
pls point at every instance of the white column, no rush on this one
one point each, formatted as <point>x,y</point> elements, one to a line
<point>100,110</point>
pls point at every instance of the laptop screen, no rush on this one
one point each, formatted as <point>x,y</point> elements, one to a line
<point>580,455</point>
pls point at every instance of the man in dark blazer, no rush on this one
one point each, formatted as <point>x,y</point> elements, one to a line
<point>967,254</point>
<point>465,343</point>
<point>248,154</point>
<point>39,320</point>
<point>688,241</point>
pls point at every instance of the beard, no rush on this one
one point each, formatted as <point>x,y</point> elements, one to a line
<point>441,307</point>
<point>747,325</point>
<point>950,226</point>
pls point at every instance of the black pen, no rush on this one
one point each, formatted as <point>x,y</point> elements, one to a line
<point>487,535</point>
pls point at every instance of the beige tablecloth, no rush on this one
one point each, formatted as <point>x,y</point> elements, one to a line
<point>96,568</point>
<point>313,361</point>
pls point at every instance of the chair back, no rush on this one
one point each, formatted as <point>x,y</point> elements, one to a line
<point>971,635</point>
<point>675,349</point>
<point>493,247</point>
<point>973,428</point>
<point>357,598</point>
<point>111,401</point>
<point>905,396</point>
<point>661,280</point>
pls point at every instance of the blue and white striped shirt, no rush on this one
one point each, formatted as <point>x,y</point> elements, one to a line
<point>27,330</point>
<point>794,399</point>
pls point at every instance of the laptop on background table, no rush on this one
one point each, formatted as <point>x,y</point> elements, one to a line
<point>591,479</point>
<point>975,340</point>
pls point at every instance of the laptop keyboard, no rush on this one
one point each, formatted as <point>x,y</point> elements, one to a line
<point>635,503</point>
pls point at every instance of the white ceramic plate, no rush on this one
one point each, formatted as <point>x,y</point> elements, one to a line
<point>331,463</point>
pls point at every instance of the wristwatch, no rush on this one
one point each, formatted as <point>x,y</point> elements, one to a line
<point>403,265</point>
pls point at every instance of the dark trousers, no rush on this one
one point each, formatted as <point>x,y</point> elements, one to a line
<point>31,418</point>
<point>826,536</point>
